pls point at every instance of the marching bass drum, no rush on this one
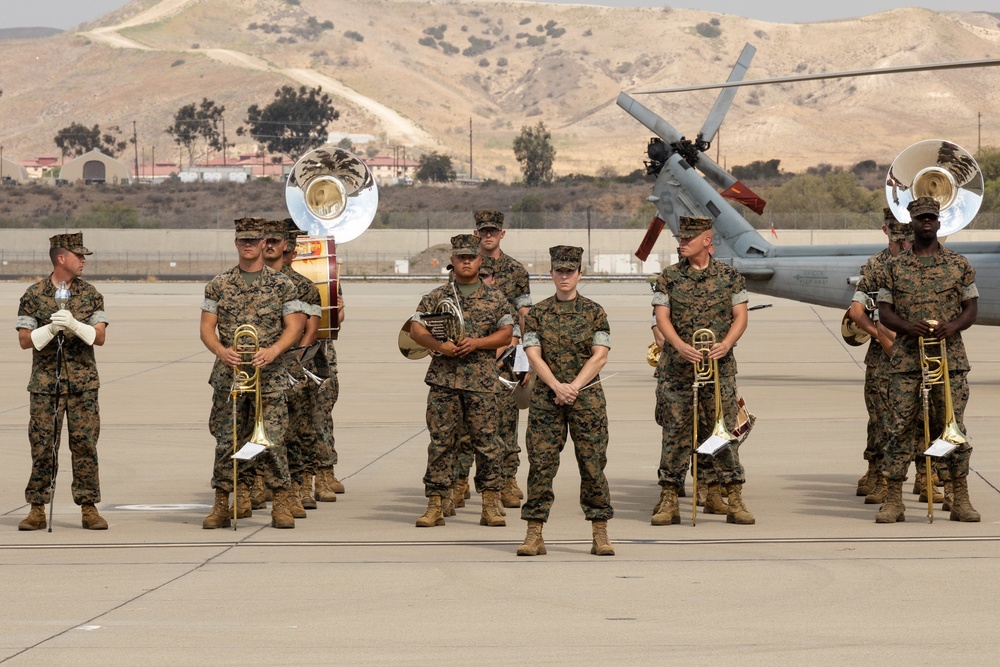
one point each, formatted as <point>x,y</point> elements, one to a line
<point>316,259</point>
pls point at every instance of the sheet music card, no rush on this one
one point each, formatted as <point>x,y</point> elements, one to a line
<point>249,451</point>
<point>940,448</point>
<point>713,445</point>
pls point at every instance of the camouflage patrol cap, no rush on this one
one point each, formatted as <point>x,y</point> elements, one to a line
<point>250,228</point>
<point>487,267</point>
<point>292,234</point>
<point>690,227</point>
<point>899,231</point>
<point>71,242</point>
<point>465,244</point>
<point>887,215</point>
<point>565,257</point>
<point>274,229</point>
<point>923,206</point>
<point>489,220</point>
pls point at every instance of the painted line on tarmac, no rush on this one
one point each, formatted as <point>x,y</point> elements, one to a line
<point>454,543</point>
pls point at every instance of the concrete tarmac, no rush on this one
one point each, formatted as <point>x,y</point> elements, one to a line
<point>814,581</point>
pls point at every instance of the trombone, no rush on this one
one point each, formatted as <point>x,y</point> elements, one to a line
<point>246,343</point>
<point>934,370</point>
<point>706,371</point>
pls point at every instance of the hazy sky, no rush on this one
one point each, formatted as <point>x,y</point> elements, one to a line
<point>65,14</point>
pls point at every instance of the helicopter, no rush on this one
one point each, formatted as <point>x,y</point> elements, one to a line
<point>690,183</point>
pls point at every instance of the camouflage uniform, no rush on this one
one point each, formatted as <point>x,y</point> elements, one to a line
<point>329,392</point>
<point>77,392</point>
<point>697,300</point>
<point>304,441</point>
<point>926,288</point>
<point>263,304</point>
<point>876,361</point>
<point>567,332</point>
<point>463,392</point>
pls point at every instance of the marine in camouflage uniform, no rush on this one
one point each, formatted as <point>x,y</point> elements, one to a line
<point>309,405</point>
<point>567,338</point>
<point>698,292</point>
<point>872,483</point>
<point>77,329</point>
<point>250,293</point>
<point>511,278</point>
<point>929,291</point>
<point>462,381</point>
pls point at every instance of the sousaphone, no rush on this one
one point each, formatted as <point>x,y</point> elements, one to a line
<point>332,196</point>
<point>932,168</point>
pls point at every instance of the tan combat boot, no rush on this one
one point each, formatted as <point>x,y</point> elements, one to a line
<point>295,502</point>
<point>667,511</point>
<point>877,495</point>
<point>714,504</point>
<point>281,515</point>
<point>35,519</point>
<point>335,484</point>
<point>257,501</point>
<point>509,493</point>
<point>306,493</point>
<point>892,509</point>
<point>961,506</point>
<point>868,480</point>
<point>324,492</point>
<point>702,493</point>
<point>432,516</point>
<point>244,505</point>
<point>737,512</point>
<point>515,488</point>
<point>938,496</point>
<point>448,503</point>
<point>533,544</point>
<point>919,479</point>
<point>219,517</point>
<point>949,496</point>
<point>601,546</point>
<point>463,485</point>
<point>491,510</point>
<point>92,520</point>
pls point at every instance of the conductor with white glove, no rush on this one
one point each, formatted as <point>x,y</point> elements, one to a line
<point>64,382</point>
<point>65,321</point>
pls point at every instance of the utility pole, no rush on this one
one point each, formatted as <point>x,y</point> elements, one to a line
<point>135,144</point>
<point>470,148</point>
<point>223,141</point>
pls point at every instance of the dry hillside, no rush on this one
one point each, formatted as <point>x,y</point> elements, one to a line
<point>414,73</point>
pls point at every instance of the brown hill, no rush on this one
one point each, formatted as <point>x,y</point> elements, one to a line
<point>414,73</point>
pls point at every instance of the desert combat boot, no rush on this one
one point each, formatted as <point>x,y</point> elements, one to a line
<point>961,506</point>
<point>533,544</point>
<point>432,516</point>
<point>601,546</point>
<point>738,512</point>
<point>667,511</point>
<point>219,517</point>
<point>92,520</point>
<point>492,512</point>
<point>714,504</point>
<point>281,514</point>
<point>35,519</point>
<point>892,509</point>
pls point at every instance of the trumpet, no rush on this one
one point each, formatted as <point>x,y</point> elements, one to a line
<point>934,370</point>
<point>246,343</point>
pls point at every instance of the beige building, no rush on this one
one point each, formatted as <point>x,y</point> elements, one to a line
<point>95,167</point>
<point>12,171</point>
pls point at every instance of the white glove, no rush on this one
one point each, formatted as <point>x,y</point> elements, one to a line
<point>42,336</point>
<point>85,332</point>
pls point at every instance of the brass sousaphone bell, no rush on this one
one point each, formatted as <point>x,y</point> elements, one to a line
<point>934,168</point>
<point>331,192</point>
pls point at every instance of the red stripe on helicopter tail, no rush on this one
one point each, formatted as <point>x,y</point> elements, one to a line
<point>744,195</point>
<point>649,240</point>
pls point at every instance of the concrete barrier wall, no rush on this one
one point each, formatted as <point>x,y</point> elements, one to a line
<point>199,252</point>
